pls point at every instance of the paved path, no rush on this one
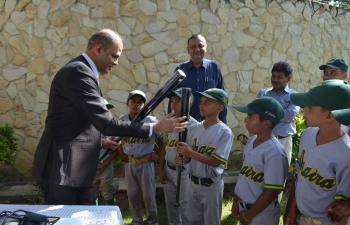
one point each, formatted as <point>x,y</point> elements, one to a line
<point>26,188</point>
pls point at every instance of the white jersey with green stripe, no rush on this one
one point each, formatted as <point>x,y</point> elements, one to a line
<point>170,140</point>
<point>215,141</point>
<point>139,147</point>
<point>265,167</point>
<point>322,173</point>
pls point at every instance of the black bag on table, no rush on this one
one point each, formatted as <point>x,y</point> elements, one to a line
<point>22,217</point>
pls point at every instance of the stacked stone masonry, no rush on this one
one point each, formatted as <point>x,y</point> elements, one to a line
<point>246,37</point>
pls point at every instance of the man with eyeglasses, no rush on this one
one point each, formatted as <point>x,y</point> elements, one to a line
<point>201,74</point>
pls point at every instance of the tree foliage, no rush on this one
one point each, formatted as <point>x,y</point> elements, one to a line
<point>8,145</point>
<point>337,3</point>
<point>300,127</point>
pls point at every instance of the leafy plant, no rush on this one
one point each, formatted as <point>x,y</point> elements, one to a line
<point>35,197</point>
<point>8,145</point>
<point>117,162</point>
<point>300,127</point>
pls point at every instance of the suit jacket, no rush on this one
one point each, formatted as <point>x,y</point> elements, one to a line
<point>68,151</point>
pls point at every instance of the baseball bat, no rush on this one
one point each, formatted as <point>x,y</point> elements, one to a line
<point>185,111</point>
<point>173,81</point>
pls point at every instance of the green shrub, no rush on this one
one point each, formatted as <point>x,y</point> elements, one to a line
<point>117,163</point>
<point>300,127</point>
<point>8,145</point>
<point>35,197</point>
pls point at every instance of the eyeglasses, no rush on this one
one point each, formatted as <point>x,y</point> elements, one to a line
<point>195,47</point>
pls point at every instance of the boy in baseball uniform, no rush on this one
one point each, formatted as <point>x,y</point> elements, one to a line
<point>104,180</point>
<point>204,156</point>
<point>264,168</point>
<point>139,166</point>
<point>322,169</point>
<point>338,210</point>
<point>168,171</point>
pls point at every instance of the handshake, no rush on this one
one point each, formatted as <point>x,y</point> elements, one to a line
<point>111,142</point>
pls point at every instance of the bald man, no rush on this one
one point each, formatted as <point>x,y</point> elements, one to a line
<point>67,155</point>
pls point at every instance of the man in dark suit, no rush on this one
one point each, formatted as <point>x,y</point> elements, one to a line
<point>67,155</point>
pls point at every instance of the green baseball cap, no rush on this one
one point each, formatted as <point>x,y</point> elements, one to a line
<point>216,94</point>
<point>108,105</point>
<point>137,92</point>
<point>178,92</point>
<point>266,107</point>
<point>342,116</point>
<point>329,94</point>
<point>336,63</point>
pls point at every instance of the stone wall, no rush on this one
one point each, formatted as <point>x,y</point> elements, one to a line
<point>37,37</point>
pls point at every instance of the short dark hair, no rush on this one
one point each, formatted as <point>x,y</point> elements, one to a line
<point>104,37</point>
<point>283,67</point>
<point>193,37</point>
<point>262,119</point>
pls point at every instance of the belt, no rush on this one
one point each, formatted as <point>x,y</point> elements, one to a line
<point>201,181</point>
<point>138,160</point>
<point>245,205</point>
<point>309,220</point>
<point>248,206</point>
<point>172,167</point>
<point>281,137</point>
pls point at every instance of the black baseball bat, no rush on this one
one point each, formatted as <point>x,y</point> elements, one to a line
<point>173,81</point>
<point>185,111</point>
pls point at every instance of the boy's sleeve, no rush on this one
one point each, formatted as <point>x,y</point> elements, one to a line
<point>343,183</point>
<point>223,148</point>
<point>275,172</point>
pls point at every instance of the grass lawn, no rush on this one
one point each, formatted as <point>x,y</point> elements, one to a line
<point>226,218</point>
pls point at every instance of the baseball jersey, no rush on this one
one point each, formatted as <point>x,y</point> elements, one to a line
<point>215,141</point>
<point>322,172</point>
<point>265,167</point>
<point>170,140</point>
<point>345,128</point>
<point>138,147</point>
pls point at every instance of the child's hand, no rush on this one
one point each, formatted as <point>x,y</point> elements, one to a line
<point>343,221</point>
<point>290,219</point>
<point>153,157</point>
<point>100,166</point>
<point>114,146</point>
<point>235,210</point>
<point>336,211</point>
<point>162,177</point>
<point>124,157</point>
<point>183,149</point>
<point>107,142</point>
<point>179,161</point>
<point>243,218</point>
